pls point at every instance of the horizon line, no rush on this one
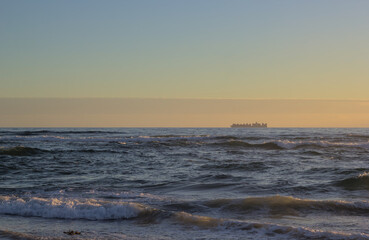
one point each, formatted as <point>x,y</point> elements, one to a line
<point>194,127</point>
<point>164,98</point>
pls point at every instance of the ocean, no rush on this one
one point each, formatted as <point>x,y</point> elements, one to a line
<point>184,183</point>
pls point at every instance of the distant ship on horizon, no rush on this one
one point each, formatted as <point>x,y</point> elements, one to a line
<point>249,125</point>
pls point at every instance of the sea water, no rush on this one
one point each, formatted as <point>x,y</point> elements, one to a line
<point>184,183</point>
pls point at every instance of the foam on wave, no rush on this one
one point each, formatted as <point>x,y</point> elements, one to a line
<point>72,208</point>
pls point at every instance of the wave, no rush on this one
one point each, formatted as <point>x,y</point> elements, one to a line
<point>360,136</point>
<point>56,138</point>
<point>194,140</point>
<point>313,153</point>
<point>287,205</point>
<point>230,138</point>
<point>163,138</point>
<point>235,229</point>
<point>320,144</point>
<point>123,140</point>
<point>286,144</point>
<point>39,132</point>
<point>227,137</point>
<point>262,230</point>
<point>28,151</point>
<point>30,133</point>
<point>72,208</point>
<point>116,209</point>
<point>267,145</point>
<point>20,151</point>
<point>248,166</point>
<point>360,181</point>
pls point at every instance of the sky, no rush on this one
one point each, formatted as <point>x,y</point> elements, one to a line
<point>120,112</point>
<point>278,51</point>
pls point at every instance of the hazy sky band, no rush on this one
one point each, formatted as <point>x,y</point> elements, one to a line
<point>37,112</point>
<point>185,49</point>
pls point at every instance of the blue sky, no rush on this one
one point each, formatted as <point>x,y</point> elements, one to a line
<point>185,49</point>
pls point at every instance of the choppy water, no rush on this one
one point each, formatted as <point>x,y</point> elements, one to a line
<point>184,183</point>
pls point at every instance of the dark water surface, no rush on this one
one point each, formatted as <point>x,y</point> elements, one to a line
<point>158,183</point>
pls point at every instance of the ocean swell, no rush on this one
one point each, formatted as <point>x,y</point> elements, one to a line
<point>287,205</point>
<point>262,230</point>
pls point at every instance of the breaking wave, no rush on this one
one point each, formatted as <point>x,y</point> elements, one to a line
<point>66,208</point>
<point>116,209</point>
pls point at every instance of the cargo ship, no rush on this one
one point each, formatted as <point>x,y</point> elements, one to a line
<point>249,125</point>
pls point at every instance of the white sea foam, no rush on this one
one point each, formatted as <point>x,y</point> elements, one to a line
<point>364,175</point>
<point>71,208</point>
<point>144,198</point>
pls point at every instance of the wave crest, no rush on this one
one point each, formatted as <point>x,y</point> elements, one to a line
<point>64,208</point>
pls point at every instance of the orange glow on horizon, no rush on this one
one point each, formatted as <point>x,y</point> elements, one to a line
<point>181,113</point>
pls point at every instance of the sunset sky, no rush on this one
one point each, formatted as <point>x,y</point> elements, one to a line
<point>199,63</point>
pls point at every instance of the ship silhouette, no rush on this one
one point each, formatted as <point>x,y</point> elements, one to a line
<point>249,125</point>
